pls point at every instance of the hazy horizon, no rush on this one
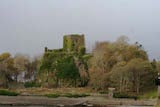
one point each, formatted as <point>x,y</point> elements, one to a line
<point>27,26</point>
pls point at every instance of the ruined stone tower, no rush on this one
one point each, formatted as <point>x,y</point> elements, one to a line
<point>74,43</point>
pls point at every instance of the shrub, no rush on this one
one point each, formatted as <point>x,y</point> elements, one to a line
<point>8,93</point>
<point>52,95</point>
<point>124,95</point>
<point>31,84</point>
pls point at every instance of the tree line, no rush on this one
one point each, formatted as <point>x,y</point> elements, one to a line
<point>118,64</point>
<point>11,67</point>
<point>123,66</point>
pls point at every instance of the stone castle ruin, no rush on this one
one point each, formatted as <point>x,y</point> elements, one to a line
<point>73,51</point>
<point>73,43</point>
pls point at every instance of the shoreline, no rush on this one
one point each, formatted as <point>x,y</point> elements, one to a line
<point>64,101</point>
<point>158,103</point>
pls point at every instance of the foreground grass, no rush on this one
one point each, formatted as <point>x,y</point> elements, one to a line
<point>8,93</point>
<point>125,95</point>
<point>45,91</point>
<point>75,95</point>
<point>55,95</point>
<point>57,92</point>
<point>50,93</point>
<point>69,95</point>
<point>149,95</point>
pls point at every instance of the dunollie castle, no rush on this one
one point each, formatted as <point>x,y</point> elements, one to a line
<point>72,44</point>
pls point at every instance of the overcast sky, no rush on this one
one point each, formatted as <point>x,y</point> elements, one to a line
<point>27,26</point>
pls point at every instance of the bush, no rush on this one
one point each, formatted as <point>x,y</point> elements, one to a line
<point>124,95</point>
<point>31,84</point>
<point>8,93</point>
<point>70,95</point>
<point>52,95</point>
